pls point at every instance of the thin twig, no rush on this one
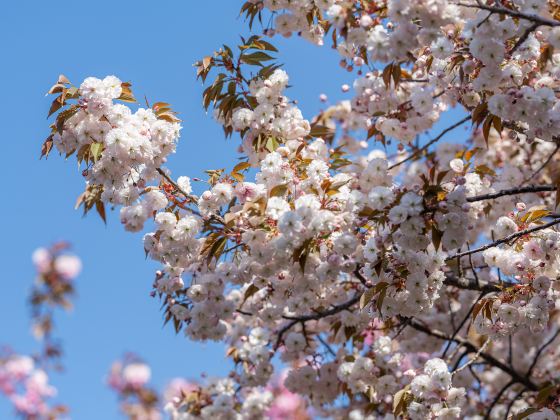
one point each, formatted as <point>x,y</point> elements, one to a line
<point>505,240</point>
<point>516,376</point>
<point>463,322</point>
<point>524,37</point>
<point>476,356</point>
<point>539,352</point>
<point>510,405</point>
<point>498,396</point>
<point>427,145</point>
<point>327,346</point>
<point>314,317</point>
<point>513,13</point>
<point>512,191</point>
<point>544,164</point>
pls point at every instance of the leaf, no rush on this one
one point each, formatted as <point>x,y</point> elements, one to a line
<point>217,248</point>
<point>318,130</point>
<point>266,45</point>
<point>126,95</point>
<point>545,393</point>
<point>63,116</point>
<point>401,400</point>
<point>387,74</point>
<point>497,122</point>
<point>486,128</point>
<point>366,297</point>
<point>95,150</point>
<point>477,308</point>
<point>47,147</point>
<point>487,309</point>
<point>381,298</point>
<point>535,215</point>
<point>271,144</point>
<point>251,290</point>
<point>470,153</point>
<point>206,62</point>
<point>238,177</point>
<point>100,207</point>
<point>241,166</point>
<point>479,113</point>
<point>62,79</point>
<point>482,170</point>
<point>255,58</point>
<point>396,74</point>
<point>525,413</point>
<point>436,236</point>
<point>56,105</point>
<point>279,190</point>
<point>302,253</point>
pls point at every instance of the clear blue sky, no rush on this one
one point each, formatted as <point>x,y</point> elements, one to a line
<point>153,45</point>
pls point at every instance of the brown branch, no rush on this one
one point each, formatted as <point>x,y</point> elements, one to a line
<point>314,317</point>
<point>470,284</point>
<point>498,396</point>
<point>174,184</point>
<point>512,191</point>
<point>504,240</point>
<point>539,352</point>
<point>463,322</point>
<point>541,21</point>
<point>524,37</point>
<point>516,377</point>
<point>545,163</point>
<point>427,145</point>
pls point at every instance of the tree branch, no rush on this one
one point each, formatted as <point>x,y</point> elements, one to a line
<point>516,377</point>
<point>314,317</point>
<point>505,240</point>
<point>512,191</point>
<point>419,151</point>
<point>498,396</point>
<point>469,284</point>
<point>539,352</point>
<point>541,21</point>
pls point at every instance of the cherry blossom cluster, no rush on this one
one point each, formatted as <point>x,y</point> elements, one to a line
<point>24,379</point>
<point>27,387</point>
<point>54,287</point>
<point>185,400</point>
<point>419,280</point>
<point>129,379</point>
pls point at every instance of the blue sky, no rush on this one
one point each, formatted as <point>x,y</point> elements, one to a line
<point>153,45</point>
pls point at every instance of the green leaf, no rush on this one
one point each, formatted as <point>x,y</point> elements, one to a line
<point>255,58</point>
<point>95,150</point>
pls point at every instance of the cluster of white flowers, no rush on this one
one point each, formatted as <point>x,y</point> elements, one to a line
<point>327,249</point>
<point>434,394</point>
<point>131,147</point>
<point>273,114</point>
<point>26,385</point>
<point>379,375</point>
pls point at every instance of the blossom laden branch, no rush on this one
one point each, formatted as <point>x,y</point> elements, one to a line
<point>505,240</point>
<point>539,20</point>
